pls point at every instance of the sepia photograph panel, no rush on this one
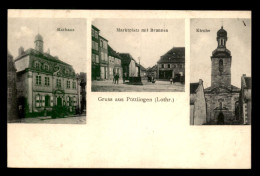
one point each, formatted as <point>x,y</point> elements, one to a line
<point>138,55</point>
<point>46,70</point>
<point>220,72</point>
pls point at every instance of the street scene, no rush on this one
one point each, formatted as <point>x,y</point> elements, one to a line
<point>159,86</point>
<point>138,55</point>
<point>46,85</point>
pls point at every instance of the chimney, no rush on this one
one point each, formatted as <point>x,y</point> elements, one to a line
<point>20,51</point>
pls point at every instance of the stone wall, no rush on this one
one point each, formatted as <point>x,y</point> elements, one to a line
<point>223,79</point>
<point>213,104</point>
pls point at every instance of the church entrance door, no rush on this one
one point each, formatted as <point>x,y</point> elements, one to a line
<point>220,119</point>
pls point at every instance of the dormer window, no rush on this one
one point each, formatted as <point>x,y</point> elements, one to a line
<point>37,65</point>
<point>46,67</point>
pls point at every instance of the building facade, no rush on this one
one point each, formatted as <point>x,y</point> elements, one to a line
<point>95,59</point>
<point>83,98</point>
<point>198,110</point>
<point>222,98</point>
<point>103,53</point>
<point>12,108</point>
<point>44,81</point>
<point>245,100</point>
<point>114,65</point>
<point>172,64</point>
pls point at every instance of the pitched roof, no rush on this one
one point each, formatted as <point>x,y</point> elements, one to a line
<point>193,87</point>
<point>232,89</point>
<point>142,68</point>
<point>103,38</point>
<point>94,27</point>
<point>42,55</point>
<point>126,58</point>
<point>112,52</point>
<point>176,54</point>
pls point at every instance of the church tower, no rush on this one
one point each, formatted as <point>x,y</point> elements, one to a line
<point>38,43</point>
<point>221,62</point>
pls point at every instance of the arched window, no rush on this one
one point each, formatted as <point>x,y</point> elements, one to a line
<point>220,66</point>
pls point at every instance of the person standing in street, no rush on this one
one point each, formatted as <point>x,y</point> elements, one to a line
<point>117,77</point>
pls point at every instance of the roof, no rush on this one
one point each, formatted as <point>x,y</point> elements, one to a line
<point>94,27</point>
<point>126,58</point>
<point>36,53</point>
<point>112,52</point>
<point>38,37</point>
<point>176,54</point>
<point>153,68</point>
<point>222,32</point>
<point>103,38</point>
<point>193,87</point>
<point>142,68</point>
<point>232,89</point>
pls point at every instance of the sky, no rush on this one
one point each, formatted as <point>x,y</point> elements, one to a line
<point>70,47</point>
<point>149,46</point>
<point>203,43</point>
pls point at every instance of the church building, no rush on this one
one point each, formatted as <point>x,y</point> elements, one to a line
<point>44,81</point>
<point>222,98</point>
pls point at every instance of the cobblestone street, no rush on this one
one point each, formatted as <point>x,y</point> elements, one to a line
<point>158,86</point>
<point>49,120</point>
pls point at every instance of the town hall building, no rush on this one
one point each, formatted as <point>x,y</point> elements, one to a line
<point>44,81</point>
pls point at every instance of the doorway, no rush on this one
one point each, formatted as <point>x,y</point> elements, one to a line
<point>220,119</point>
<point>59,101</point>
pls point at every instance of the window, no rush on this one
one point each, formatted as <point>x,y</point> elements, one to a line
<point>58,83</point>
<point>162,65</point>
<point>43,100</point>
<point>169,65</point>
<point>165,65</point>
<point>93,45</point>
<point>69,102</point>
<point>47,81</point>
<point>93,57</point>
<point>96,45</point>
<point>68,84</point>
<point>37,65</point>
<point>97,59</point>
<point>220,66</point>
<point>51,102</point>
<point>38,80</point>
<point>74,101</point>
<point>96,34</point>
<point>46,67</point>
<point>102,58</point>
<point>37,101</point>
<point>74,85</point>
